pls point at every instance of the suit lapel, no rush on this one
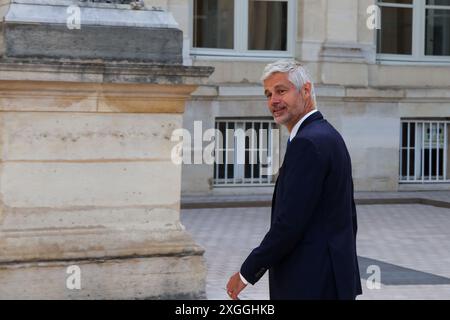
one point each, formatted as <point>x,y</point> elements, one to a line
<point>312,118</point>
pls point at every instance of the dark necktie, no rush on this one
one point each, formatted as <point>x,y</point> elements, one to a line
<point>288,143</point>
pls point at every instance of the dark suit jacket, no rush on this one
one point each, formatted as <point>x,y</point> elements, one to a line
<point>310,249</point>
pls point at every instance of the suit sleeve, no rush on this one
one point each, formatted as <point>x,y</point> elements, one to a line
<point>302,186</point>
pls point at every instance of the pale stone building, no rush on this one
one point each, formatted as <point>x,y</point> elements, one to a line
<point>386,91</point>
<point>86,118</point>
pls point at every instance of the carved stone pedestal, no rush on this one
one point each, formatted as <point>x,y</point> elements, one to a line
<point>86,176</point>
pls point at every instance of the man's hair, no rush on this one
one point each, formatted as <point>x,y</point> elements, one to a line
<point>297,74</point>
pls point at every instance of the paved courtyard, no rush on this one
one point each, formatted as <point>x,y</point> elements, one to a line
<point>410,243</point>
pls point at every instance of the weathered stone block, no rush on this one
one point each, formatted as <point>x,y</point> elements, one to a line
<point>40,29</point>
<point>86,176</point>
<point>33,136</point>
<point>68,184</point>
<point>138,278</point>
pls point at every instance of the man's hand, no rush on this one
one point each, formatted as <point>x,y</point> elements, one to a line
<point>235,286</point>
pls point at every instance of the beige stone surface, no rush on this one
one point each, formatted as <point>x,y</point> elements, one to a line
<point>424,109</point>
<point>143,218</point>
<point>91,97</point>
<point>311,20</point>
<point>371,132</point>
<point>342,16</point>
<point>67,136</point>
<point>60,184</point>
<point>89,242</point>
<point>102,73</point>
<point>346,74</point>
<point>236,71</point>
<point>135,278</point>
<point>86,178</point>
<point>412,75</point>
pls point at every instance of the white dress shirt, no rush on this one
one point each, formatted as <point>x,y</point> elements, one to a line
<point>297,126</point>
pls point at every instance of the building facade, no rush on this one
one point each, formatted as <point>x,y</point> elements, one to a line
<point>381,71</point>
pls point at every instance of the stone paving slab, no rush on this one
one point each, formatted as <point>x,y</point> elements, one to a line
<point>407,240</point>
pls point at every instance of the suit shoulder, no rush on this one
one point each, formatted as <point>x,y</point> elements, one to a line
<point>304,142</point>
<point>303,146</point>
<point>321,131</point>
<point>325,138</point>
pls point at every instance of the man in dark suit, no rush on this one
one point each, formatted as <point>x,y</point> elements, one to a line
<point>310,249</point>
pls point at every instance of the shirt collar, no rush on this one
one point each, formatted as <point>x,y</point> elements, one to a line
<point>297,126</point>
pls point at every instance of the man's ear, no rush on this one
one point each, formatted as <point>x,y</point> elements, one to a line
<point>306,90</point>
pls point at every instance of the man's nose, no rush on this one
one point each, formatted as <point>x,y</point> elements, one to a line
<point>275,100</point>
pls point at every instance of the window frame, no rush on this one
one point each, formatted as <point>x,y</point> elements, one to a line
<point>419,8</point>
<point>419,147</point>
<point>241,35</point>
<point>239,179</point>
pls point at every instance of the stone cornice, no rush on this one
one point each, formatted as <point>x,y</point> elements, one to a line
<point>96,86</point>
<point>42,96</point>
<point>101,72</point>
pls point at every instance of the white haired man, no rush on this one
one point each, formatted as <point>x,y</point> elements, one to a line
<point>310,249</point>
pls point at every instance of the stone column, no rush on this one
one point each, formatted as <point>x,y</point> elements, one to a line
<point>86,177</point>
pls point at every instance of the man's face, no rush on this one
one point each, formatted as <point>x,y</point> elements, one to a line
<point>285,102</point>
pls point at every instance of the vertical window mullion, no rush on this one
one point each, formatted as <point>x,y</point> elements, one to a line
<point>261,146</point>
<point>240,151</point>
<point>419,29</point>
<point>252,161</point>
<point>245,23</point>
<point>226,153</point>
<point>292,22</point>
<point>445,150</point>
<point>430,158</point>
<point>235,148</point>
<point>193,22</point>
<point>417,149</point>
<point>241,20</point>
<point>438,129</point>
<point>408,148</point>
<point>423,152</point>
<point>401,151</point>
<point>216,153</point>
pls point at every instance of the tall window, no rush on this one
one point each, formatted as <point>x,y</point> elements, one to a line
<point>424,151</point>
<point>246,152</point>
<point>437,28</point>
<point>415,30</point>
<point>267,25</point>
<point>243,27</point>
<point>214,24</point>
<point>395,36</point>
